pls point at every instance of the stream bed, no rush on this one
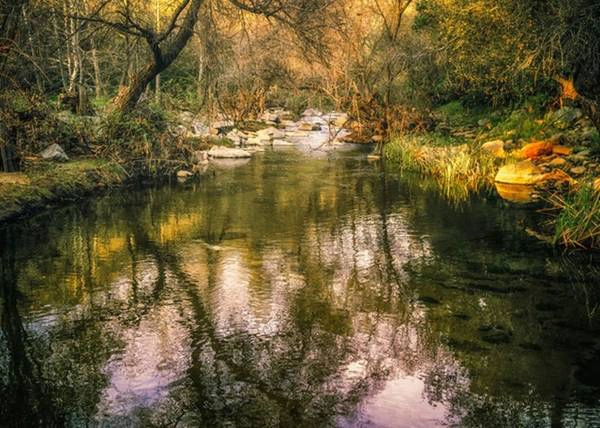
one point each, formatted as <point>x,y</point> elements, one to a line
<point>295,289</point>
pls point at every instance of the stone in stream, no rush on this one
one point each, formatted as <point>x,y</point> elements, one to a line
<point>183,174</point>
<point>54,152</point>
<point>219,152</point>
<point>524,172</point>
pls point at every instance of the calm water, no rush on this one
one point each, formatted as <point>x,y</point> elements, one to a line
<point>294,291</point>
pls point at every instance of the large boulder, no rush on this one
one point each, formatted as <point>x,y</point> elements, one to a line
<point>54,152</point>
<point>219,152</point>
<point>524,172</point>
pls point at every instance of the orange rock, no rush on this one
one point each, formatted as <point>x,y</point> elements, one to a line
<point>562,150</point>
<point>536,149</point>
<point>559,176</point>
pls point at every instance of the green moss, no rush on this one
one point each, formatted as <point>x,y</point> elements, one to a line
<point>50,183</point>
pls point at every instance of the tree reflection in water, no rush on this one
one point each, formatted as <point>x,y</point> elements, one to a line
<point>291,293</point>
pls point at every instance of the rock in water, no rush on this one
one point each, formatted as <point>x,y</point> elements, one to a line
<point>524,172</point>
<point>183,174</point>
<point>218,152</point>
<point>54,152</point>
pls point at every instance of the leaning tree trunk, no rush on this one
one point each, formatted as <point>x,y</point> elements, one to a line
<point>162,57</point>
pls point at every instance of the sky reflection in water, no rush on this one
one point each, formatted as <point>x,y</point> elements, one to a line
<point>294,291</point>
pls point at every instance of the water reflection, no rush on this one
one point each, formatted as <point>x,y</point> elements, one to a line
<point>293,292</point>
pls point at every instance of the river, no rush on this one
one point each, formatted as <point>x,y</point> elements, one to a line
<point>294,290</point>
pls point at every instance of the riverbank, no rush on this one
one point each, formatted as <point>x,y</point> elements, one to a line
<point>549,159</point>
<point>51,184</point>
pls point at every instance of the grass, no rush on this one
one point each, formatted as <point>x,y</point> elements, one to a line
<point>578,223</point>
<point>458,169</point>
<point>49,183</point>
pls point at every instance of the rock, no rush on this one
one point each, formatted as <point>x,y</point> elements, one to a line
<point>312,112</point>
<point>516,193</point>
<point>495,148</point>
<point>183,174</point>
<point>305,126</point>
<point>255,141</point>
<point>282,143</point>
<point>54,152</point>
<point>588,133</point>
<point>524,172</point>
<point>200,129</point>
<point>536,149</point>
<point>219,152</point>
<point>578,170</point>
<point>483,122</point>
<point>377,138</point>
<point>200,156</point>
<point>270,133</point>
<point>558,162</point>
<point>562,150</point>
<point>234,136</point>
<point>185,117</point>
<point>564,118</point>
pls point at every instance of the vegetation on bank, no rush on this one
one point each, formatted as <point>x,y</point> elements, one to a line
<point>49,184</point>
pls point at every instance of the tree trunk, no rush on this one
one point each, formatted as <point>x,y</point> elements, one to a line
<point>129,95</point>
<point>127,98</point>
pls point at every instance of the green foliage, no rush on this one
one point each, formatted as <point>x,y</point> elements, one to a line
<point>578,224</point>
<point>520,124</point>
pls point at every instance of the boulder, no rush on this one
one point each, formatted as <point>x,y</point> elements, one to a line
<point>219,152</point>
<point>254,141</point>
<point>200,156</point>
<point>495,148</point>
<point>305,126</point>
<point>234,136</point>
<point>561,150</point>
<point>183,174</point>
<point>516,193</point>
<point>536,149</point>
<point>558,162</point>
<point>54,152</point>
<point>282,143</point>
<point>270,133</point>
<point>524,172</point>
<point>312,112</point>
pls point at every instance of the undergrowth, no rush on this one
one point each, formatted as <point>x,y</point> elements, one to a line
<point>458,169</point>
<point>578,222</point>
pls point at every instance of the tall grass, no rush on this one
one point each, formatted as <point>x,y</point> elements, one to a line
<point>458,169</point>
<point>578,223</point>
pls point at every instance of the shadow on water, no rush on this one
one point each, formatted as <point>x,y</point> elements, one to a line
<point>294,291</point>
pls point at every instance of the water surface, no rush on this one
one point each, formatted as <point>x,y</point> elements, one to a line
<point>294,290</point>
